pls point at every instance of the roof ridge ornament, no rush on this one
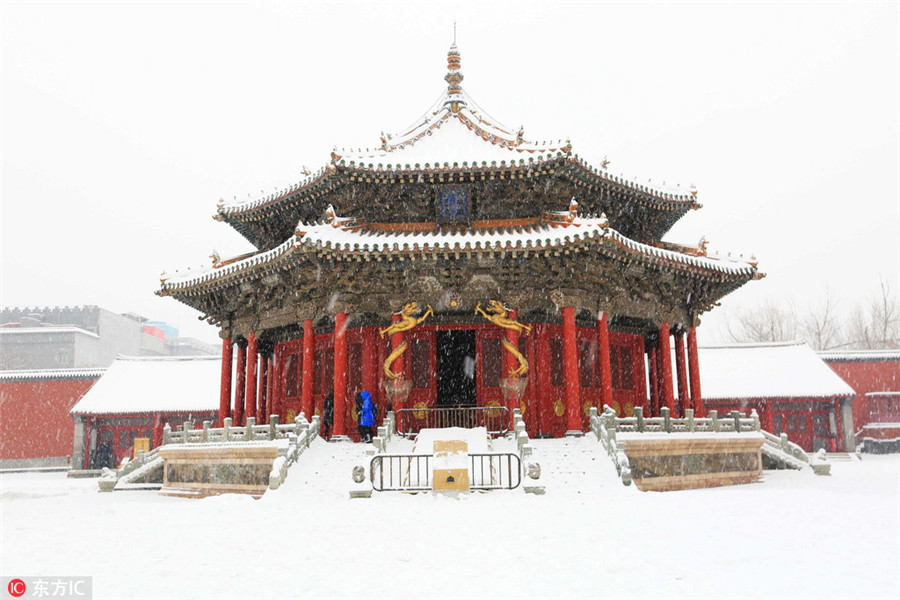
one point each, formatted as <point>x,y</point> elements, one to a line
<point>454,77</point>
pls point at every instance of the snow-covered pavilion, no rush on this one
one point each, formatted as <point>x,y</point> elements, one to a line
<point>788,384</point>
<point>135,398</point>
<point>453,213</point>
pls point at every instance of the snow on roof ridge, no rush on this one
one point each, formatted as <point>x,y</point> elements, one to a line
<point>77,373</point>
<point>48,329</point>
<point>168,358</point>
<point>342,234</point>
<point>739,345</point>
<point>849,355</point>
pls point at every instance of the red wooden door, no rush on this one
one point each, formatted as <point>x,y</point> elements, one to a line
<point>489,366</point>
<point>551,392</point>
<point>421,365</point>
<point>354,382</point>
<point>588,374</point>
<point>323,373</point>
<point>626,372</point>
<point>290,356</point>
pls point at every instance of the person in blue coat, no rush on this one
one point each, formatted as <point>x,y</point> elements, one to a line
<point>367,417</point>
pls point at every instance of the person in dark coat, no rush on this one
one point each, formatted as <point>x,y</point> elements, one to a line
<point>359,408</point>
<point>367,417</point>
<point>328,415</point>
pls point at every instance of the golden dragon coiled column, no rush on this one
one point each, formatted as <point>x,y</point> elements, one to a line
<point>409,318</point>
<point>498,314</point>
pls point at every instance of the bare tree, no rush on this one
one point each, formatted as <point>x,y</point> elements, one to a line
<point>876,325</point>
<point>768,323</point>
<point>821,326</point>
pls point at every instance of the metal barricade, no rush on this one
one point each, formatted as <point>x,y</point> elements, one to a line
<point>412,472</point>
<point>493,418</point>
<point>495,471</point>
<point>400,472</point>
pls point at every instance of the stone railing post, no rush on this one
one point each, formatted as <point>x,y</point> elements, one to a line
<point>783,442</point>
<point>736,417</point>
<point>248,430</point>
<point>205,437</point>
<point>714,420</point>
<point>226,429</point>
<point>689,415</point>
<point>667,419</point>
<point>273,424</point>
<point>755,416</point>
<point>167,435</point>
<point>639,415</point>
<point>186,432</point>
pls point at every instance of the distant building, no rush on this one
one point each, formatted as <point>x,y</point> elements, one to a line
<point>790,387</point>
<point>84,337</point>
<point>49,358</point>
<point>875,377</point>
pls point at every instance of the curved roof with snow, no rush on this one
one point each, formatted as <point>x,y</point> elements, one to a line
<point>789,370</point>
<point>454,136</point>
<point>154,385</point>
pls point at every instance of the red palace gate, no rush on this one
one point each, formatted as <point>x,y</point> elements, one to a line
<point>462,365</point>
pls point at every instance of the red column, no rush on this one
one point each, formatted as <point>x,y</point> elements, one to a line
<point>667,395</point>
<point>570,372</point>
<point>694,371</point>
<point>262,392</point>
<point>240,385</point>
<point>640,370</point>
<point>512,337</point>
<point>309,368</point>
<point>272,394</point>
<point>370,364</point>
<point>225,391</point>
<point>839,432</point>
<point>605,368</point>
<point>653,376</point>
<point>87,443</point>
<point>684,400</point>
<point>340,372</point>
<point>252,356</point>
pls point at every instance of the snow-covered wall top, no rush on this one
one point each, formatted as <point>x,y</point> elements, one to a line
<point>786,370</point>
<point>51,374</point>
<point>860,355</point>
<point>150,385</point>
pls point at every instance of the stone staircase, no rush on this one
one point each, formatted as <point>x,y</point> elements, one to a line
<point>785,454</point>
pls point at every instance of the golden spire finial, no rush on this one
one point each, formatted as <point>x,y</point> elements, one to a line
<point>454,76</point>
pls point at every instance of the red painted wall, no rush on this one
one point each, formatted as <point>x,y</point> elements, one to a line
<point>866,377</point>
<point>34,417</point>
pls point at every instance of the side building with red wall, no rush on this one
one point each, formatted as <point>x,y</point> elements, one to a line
<point>137,398</point>
<point>35,427</point>
<point>875,377</point>
<point>790,387</point>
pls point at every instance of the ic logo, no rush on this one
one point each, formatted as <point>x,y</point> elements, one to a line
<point>16,588</point>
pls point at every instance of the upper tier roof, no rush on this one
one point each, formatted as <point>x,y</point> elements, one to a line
<point>454,136</point>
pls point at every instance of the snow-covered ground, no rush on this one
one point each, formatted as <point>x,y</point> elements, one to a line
<point>794,536</point>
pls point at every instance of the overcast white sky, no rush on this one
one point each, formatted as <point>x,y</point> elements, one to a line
<point>124,123</point>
